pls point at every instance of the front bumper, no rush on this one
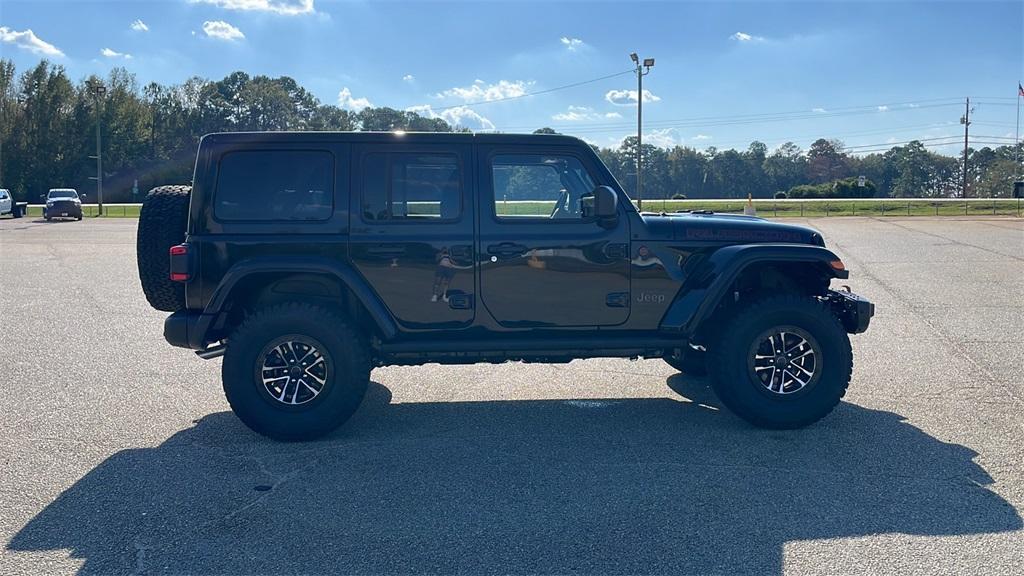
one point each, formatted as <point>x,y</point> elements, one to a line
<point>853,311</point>
<point>63,210</point>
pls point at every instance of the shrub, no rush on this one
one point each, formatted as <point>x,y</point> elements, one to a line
<point>780,195</point>
<point>679,196</point>
<point>845,188</point>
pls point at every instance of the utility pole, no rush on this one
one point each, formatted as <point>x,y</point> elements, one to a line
<point>966,121</point>
<point>641,71</point>
<point>99,90</point>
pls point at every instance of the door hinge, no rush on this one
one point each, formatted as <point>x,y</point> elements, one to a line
<point>617,300</point>
<point>460,301</point>
<point>616,250</point>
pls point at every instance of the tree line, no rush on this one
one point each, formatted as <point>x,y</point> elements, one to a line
<point>150,134</point>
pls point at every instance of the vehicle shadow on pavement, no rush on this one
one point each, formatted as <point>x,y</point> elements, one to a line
<point>656,485</point>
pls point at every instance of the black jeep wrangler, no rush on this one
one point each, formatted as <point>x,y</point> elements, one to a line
<point>308,259</point>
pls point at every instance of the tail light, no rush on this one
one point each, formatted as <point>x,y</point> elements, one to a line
<point>181,269</point>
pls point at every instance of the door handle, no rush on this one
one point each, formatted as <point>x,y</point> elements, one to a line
<point>506,249</point>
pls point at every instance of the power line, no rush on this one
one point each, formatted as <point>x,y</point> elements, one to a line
<point>713,121</point>
<point>537,93</point>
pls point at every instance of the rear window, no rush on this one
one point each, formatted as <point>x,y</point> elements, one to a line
<point>411,187</point>
<point>275,185</point>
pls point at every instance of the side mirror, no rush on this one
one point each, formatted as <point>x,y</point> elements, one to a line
<point>602,203</point>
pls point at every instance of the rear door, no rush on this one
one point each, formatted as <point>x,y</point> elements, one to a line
<point>412,231</point>
<point>543,263</point>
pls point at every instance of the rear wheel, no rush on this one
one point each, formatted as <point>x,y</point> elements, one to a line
<point>781,362</point>
<point>295,371</point>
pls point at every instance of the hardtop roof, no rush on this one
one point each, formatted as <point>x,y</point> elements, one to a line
<point>384,137</point>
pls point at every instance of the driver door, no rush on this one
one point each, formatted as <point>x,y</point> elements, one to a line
<point>543,262</point>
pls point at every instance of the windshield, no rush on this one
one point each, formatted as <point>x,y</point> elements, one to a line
<point>62,194</point>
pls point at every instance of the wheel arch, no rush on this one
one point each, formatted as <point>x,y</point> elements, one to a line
<point>738,269</point>
<point>265,281</point>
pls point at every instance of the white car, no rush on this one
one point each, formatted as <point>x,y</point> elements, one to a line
<point>63,203</point>
<point>6,202</point>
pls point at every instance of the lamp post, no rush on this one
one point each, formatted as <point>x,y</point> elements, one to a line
<point>642,69</point>
<point>98,90</point>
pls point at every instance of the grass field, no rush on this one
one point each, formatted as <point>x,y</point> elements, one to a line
<point>771,209</point>
<point>765,208</point>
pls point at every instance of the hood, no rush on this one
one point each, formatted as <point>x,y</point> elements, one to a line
<point>728,229</point>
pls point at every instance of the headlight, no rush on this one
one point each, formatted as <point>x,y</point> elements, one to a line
<point>49,203</point>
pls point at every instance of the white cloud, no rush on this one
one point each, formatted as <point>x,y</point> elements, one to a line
<point>481,90</point>
<point>28,40</point>
<point>408,78</point>
<point>744,37</point>
<point>702,137</point>
<point>912,105</point>
<point>582,113</point>
<point>575,114</point>
<point>883,108</point>
<point>345,100</point>
<point>663,138</point>
<point>818,110</point>
<point>628,97</point>
<point>285,7</point>
<point>222,30</point>
<point>107,52</point>
<point>572,44</point>
<point>139,26</point>
<point>459,116</point>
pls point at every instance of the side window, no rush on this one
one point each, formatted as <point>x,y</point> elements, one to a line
<point>411,187</point>
<point>275,185</point>
<point>539,186</point>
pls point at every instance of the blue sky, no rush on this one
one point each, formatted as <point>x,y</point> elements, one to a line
<point>865,72</point>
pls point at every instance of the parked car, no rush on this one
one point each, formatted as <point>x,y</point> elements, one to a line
<point>63,203</point>
<point>6,202</point>
<point>8,205</point>
<point>308,259</point>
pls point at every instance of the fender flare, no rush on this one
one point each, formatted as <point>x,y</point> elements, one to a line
<point>700,296</point>
<point>263,264</point>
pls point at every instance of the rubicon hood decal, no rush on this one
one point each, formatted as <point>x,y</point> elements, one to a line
<point>740,235</point>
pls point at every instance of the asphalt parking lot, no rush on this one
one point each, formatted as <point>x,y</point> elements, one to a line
<point>119,454</point>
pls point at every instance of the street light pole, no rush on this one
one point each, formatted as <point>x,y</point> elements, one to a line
<point>642,69</point>
<point>99,90</point>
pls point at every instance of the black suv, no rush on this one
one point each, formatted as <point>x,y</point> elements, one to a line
<point>308,259</point>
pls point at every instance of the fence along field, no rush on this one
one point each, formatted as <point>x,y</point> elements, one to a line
<point>766,208</point>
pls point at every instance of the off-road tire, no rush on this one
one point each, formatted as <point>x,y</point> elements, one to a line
<point>162,223</point>
<point>740,390</point>
<point>692,362</point>
<point>346,383</point>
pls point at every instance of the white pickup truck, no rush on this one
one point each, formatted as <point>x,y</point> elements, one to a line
<point>9,206</point>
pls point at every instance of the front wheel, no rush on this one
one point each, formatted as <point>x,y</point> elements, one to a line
<point>781,362</point>
<point>295,371</point>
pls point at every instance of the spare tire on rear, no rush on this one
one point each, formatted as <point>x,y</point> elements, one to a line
<point>162,223</point>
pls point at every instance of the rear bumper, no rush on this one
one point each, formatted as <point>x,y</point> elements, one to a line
<point>187,329</point>
<point>854,311</point>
